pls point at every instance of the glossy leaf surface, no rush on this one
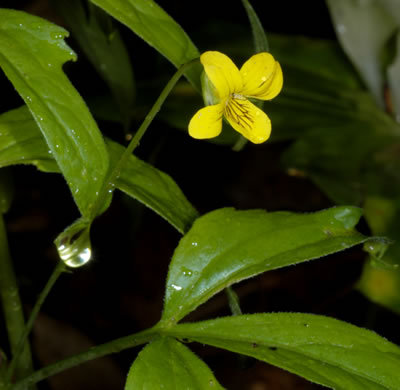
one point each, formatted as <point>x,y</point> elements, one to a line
<point>150,22</point>
<point>321,349</point>
<point>21,143</point>
<point>226,246</point>
<point>103,46</point>
<point>168,364</point>
<point>32,52</point>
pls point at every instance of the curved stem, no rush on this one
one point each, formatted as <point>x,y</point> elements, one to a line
<point>109,184</point>
<point>28,327</point>
<point>92,353</point>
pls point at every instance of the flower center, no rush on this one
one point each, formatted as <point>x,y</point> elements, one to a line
<point>236,109</point>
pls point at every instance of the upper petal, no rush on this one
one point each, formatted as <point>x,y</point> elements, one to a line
<point>262,77</point>
<point>222,72</point>
<point>207,122</point>
<point>248,120</point>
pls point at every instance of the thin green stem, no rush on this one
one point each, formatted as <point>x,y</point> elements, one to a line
<point>36,308</point>
<point>12,307</point>
<point>240,144</point>
<point>114,346</point>
<point>109,184</point>
<point>233,301</point>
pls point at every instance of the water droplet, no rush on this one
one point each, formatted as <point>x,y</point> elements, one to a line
<point>57,146</point>
<point>28,98</point>
<point>73,245</point>
<point>377,247</point>
<point>186,271</point>
<point>56,35</point>
<point>194,243</point>
<point>175,287</point>
<point>50,152</point>
<point>20,25</point>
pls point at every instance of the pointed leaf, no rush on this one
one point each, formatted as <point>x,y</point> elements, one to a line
<point>22,143</point>
<point>168,364</point>
<point>259,36</point>
<point>103,46</point>
<point>227,246</point>
<point>32,52</point>
<point>150,22</point>
<point>324,350</point>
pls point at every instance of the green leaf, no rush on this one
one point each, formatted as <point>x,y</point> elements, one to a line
<point>153,188</point>
<point>32,52</point>
<point>150,22</point>
<point>259,37</point>
<point>320,349</point>
<point>227,246</point>
<point>363,28</point>
<point>168,364</point>
<point>103,46</point>
<point>21,143</point>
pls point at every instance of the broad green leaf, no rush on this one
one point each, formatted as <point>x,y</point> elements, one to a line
<point>321,349</point>
<point>363,28</point>
<point>150,22</point>
<point>226,246</point>
<point>32,52</point>
<point>21,143</point>
<point>103,46</point>
<point>168,364</point>
<point>259,36</point>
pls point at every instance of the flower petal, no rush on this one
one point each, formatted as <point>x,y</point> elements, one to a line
<point>207,122</point>
<point>262,77</point>
<point>222,72</point>
<point>248,119</point>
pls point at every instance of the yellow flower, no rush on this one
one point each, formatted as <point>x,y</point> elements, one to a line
<point>260,77</point>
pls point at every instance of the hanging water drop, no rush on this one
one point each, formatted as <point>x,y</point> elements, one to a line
<point>73,245</point>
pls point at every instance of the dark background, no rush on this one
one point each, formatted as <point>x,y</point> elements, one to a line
<point>121,290</point>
